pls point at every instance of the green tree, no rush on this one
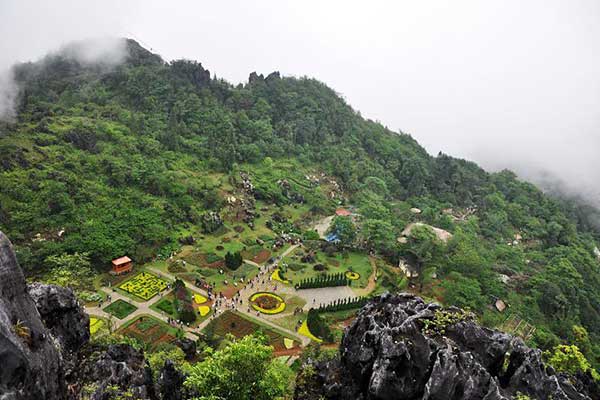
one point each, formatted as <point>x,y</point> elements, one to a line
<point>233,260</point>
<point>463,292</point>
<point>345,230</point>
<point>568,358</point>
<point>69,270</point>
<point>243,370</point>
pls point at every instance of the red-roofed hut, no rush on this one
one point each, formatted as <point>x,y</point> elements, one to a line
<point>342,212</point>
<point>122,265</point>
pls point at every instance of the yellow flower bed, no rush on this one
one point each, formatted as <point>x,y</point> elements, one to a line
<point>280,307</point>
<point>275,276</point>
<point>288,343</point>
<point>144,285</point>
<point>304,331</point>
<point>95,325</point>
<point>199,299</point>
<point>204,310</point>
<point>353,276</point>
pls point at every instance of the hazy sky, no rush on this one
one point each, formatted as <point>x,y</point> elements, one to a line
<point>505,83</point>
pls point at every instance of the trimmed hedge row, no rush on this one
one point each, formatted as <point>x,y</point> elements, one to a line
<point>324,281</point>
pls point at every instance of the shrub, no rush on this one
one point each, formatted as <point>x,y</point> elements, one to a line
<point>318,326</point>
<point>233,260</point>
<point>296,266</point>
<point>166,306</point>
<point>319,267</point>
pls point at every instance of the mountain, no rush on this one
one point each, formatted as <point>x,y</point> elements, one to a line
<point>130,154</point>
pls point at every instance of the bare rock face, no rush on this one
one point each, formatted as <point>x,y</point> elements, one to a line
<point>400,347</point>
<point>30,363</point>
<point>63,316</point>
<point>123,367</point>
<point>171,382</point>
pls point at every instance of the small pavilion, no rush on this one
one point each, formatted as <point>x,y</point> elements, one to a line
<point>122,265</point>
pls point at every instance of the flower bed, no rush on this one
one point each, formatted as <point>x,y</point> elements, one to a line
<point>203,310</point>
<point>199,299</point>
<point>144,285</point>
<point>95,325</point>
<point>277,277</point>
<point>267,303</point>
<point>353,276</point>
<point>304,331</point>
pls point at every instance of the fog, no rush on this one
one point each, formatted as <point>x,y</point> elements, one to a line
<point>507,84</point>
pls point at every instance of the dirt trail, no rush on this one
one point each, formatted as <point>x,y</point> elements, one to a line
<point>372,280</point>
<point>323,225</point>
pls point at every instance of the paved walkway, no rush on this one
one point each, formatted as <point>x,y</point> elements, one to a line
<point>143,308</point>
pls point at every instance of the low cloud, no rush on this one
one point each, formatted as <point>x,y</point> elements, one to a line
<point>103,53</point>
<point>8,95</point>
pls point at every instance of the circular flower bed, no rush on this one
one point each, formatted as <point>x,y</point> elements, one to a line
<point>353,276</point>
<point>267,303</point>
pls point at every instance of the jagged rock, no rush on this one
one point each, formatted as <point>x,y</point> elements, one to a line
<point>123,367</point>
<point>30,364</point>
<point>390,352</point>
<point>188,346</point>
<point>170,382</point>
<point>63,316</point>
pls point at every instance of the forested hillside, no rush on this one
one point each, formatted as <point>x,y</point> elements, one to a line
<point>130,159</point>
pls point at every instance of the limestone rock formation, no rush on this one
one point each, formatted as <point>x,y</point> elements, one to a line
<point>63,316</point>
<point>121,367</point>
<point>31,365</point>
<point>171,382</point>
<point>400,347</point>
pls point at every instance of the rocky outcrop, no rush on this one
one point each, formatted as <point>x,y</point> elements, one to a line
<point>170,382</point>
<point>120,369</point>
<point>63,316</point>
<point>31,365</point>
<point>400,347</point>
<point>44,351</point>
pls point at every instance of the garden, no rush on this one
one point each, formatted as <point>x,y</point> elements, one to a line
<point>168,306</point>
<point>239,325</point>
<point>315,265</point>
<point>150,330</point>
<point>120,308</point>
<point>144,285</point>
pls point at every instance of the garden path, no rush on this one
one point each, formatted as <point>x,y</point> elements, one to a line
<point>143,308</point>
<point>372,284</point>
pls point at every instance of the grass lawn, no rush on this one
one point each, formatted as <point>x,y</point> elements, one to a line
<point>297,270</point>
<point>120,308</point>
<point>290,321</point>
